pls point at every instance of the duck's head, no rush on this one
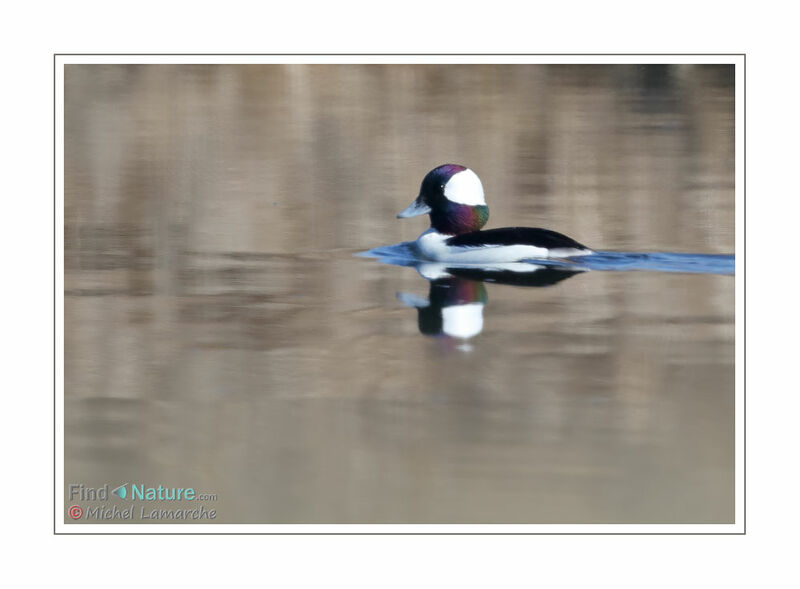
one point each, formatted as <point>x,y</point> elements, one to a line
<point>453,197</point>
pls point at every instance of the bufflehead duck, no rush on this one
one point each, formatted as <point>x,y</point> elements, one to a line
<point>453,197</point>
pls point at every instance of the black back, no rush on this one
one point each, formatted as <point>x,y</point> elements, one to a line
<point>515,236</point>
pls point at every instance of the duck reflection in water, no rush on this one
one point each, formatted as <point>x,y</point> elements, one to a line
<point>457,295</point>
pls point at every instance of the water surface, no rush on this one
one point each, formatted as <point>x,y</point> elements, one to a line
<point>221,333</point>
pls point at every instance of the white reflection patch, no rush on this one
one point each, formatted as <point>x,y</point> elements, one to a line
<point>463,321</point>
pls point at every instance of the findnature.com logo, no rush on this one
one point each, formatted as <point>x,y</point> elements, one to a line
<point>133,492</point>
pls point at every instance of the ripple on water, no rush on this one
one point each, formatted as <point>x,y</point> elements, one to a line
<point>404,254</point>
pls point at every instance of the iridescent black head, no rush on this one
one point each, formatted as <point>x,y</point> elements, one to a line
<point>453,197</point>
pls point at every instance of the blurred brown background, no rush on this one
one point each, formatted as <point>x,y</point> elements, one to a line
<point>219,333</point>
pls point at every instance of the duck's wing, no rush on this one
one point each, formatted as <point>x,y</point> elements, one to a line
<point>544,238</point>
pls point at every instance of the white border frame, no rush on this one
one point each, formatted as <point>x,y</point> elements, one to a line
<point>738,527</point>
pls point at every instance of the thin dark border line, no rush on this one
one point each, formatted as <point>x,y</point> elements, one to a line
<point>744,316</point>
<point>744,295</point>
<point>413,54</point>
<point>55,70</point>
<point>389,533</point>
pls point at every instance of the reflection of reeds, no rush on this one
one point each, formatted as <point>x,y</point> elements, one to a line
<point>334,152</point>
<point>210,215</point>
<point>165,160</point>
<point>276,161</point>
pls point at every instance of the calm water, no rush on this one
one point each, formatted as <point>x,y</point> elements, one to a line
<point>221,333</point>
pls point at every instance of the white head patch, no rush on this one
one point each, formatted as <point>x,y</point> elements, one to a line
<point>465,188</point>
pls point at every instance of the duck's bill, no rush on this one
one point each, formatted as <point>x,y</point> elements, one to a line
<point>417,208</point>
